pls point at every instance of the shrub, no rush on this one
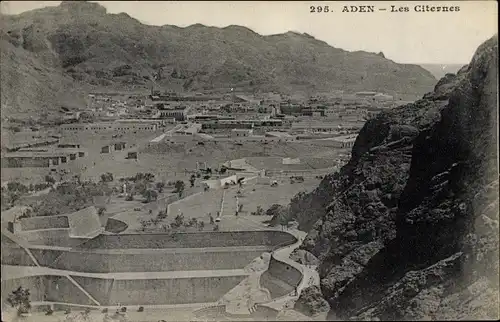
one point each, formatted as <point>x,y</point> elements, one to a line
<point>105,310</point>
<point>20,299</point>
<point>123,309</point>
<point>141,309</point>
<point>49,179</point>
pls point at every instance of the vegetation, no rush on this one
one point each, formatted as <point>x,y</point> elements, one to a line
<point>50,179</point>
<point>160,186</point>
<point>280,215</point>
<point>258,212</point>
<point>150,195</point>
<point>69,197</point>
<point>179,187</point>
<point>107,177</point>
<point>20,299</point>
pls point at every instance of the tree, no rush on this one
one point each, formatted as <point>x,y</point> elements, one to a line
<point>179,220</point>
<point>179,187</point>
<point>150,195</point>
<point>49,179</point>
<point>162,215</point>
<point>107,177</point>
<point>192,180</point>
<point>160,186</point>
<point>201,225</point>
<point>20,299</point>
<point>101,211</point>
<point>259,211</point>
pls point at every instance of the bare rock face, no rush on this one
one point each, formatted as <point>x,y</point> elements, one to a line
<point>409,228</point>
<point>311,302</point>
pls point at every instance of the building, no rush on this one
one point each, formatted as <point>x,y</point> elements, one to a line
<point>179,113</point>
<point>242,124</point>
<point>367,94</point>
<point>120,126</point>
<point>241,132</point>
<point>118,146</point>
<point>314,127</point>
<point>313,112</point>
<point>189,129</point>
<point>40,158</point>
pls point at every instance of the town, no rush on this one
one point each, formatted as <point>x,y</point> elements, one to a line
<point>168,163</point>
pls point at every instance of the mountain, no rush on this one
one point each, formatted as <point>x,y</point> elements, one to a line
<point>82,41</point>
<point>408,229</point>
<point>440,70</point>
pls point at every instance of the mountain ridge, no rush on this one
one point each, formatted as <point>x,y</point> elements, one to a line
<point>99,49</point>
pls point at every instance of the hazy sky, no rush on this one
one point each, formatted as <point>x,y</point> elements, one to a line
<point>409,37</point>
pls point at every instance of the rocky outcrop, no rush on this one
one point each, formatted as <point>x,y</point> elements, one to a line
<point>311,302</point>
<point>409,227</point>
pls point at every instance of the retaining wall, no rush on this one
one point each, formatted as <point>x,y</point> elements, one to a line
<point>157,261</point>
<point>172,291</point>
<point>190,240</point>
<point>280,278</point>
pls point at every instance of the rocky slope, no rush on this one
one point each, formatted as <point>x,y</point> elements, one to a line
<point>113,50</point>
<point>409,227</point>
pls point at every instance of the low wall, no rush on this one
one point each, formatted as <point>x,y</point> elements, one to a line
<point>190,240</point>
<point>46,222</point>
<point>152,262</point>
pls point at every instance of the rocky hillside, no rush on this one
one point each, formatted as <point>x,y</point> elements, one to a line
<point>409,227</point>
<point>85,43</point>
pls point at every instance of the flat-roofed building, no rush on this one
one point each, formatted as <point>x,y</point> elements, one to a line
<point>40,158</point>
<point>243,124</point>
<point>119,126</point>
<point>241,132</point>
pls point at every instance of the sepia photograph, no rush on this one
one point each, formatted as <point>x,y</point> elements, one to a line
<point>167,161</point>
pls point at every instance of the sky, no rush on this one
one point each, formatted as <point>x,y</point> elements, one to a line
<point>405,37</point>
